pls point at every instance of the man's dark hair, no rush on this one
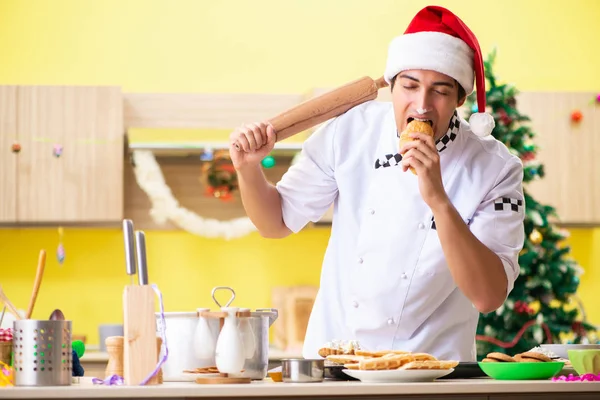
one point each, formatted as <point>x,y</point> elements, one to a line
<point>461,91</point>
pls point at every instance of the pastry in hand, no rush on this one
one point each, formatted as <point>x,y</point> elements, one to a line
<point>415,126</point>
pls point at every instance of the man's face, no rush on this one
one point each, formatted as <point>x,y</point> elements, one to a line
<point>426,95</point>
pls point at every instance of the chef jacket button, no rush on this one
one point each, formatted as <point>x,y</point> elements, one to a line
<point>421,225</point>
<point>360,260</point>
<point>390,321</point>
<point>404,276</point>
<point>354,304</point>
<point>371,211</point>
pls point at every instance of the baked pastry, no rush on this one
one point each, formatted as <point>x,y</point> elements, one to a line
<point>336,347</point>
<point>412,127</point>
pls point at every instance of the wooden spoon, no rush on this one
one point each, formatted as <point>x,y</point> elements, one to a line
<point>36,284</point>
<point>13,310</point>
<point>57,315</point>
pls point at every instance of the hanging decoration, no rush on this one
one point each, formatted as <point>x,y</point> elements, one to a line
<point>219,176</point>
<point>16,148</point>
<point>164,207</point>
<point>60,250</point>
<point>57,150</point>
<point>268,162</point>
<point>576,116</point>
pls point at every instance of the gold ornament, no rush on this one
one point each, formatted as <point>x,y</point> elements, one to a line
<point>536,237</point>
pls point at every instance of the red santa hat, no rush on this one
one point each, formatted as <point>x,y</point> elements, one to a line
<point>438,40</point>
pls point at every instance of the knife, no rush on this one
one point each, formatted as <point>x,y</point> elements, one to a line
<point>129,247</point>
<point>140,243</point>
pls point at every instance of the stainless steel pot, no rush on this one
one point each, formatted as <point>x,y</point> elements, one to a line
<point>299,370</point>
<point>180,328</point>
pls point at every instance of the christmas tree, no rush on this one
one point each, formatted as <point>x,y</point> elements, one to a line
<point>541,308</point>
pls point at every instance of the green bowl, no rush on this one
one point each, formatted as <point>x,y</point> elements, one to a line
<point>521,370</point>
<point>585,361</point>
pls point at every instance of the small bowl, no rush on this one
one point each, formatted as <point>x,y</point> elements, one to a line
<point>585,361</point>
<point>562,350</point>
<point>300,370</point>
<point>521,370</point>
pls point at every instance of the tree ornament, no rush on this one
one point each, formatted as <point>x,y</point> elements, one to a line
<point>528,156</point>
<point>268,162</point>
<point>536,237</point>
<point>504,118</point>
<point>16,148</point>
<point>576,116</point>
<point>529,146</point>
<point>598,98</point>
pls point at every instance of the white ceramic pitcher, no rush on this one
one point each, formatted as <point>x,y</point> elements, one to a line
<point>205,340</point>
<point>229,356</point>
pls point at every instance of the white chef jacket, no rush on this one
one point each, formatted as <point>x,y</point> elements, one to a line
<point>385,281</point>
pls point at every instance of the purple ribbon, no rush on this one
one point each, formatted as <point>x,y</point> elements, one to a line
<point>118,380</point>
<point>110,381</point>
<point>163,346</point>
<point>581,378</point>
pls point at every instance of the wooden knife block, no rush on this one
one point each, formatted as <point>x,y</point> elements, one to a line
<point>139,328</point>
<point>294,305</point>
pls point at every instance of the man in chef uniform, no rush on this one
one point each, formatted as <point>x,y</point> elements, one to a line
<point>413,258</point>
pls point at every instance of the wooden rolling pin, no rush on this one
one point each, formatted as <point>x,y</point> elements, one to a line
<point>326,106</point>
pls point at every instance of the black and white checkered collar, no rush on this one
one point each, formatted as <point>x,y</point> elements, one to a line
<point>391,160</point>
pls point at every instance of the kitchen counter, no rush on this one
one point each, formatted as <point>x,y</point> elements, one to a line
<point>471,389</point>
<point>94,362</point>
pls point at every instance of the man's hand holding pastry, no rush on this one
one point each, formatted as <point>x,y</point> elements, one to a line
<point>421,155</point>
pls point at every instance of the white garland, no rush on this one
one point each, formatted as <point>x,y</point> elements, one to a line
<point>165,207</point>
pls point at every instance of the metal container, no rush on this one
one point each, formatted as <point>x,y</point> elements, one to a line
<point>42,353</point>
<point>299,370</point>
<point>180,328</point>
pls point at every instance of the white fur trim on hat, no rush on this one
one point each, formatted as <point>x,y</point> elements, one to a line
<point>482,124</point>
<point>434,51</point>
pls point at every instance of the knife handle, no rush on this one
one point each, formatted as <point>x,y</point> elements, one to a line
<point>140,243</point>
<point>129,246</point>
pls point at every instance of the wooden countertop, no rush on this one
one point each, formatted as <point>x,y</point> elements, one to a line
<point>466,389</point>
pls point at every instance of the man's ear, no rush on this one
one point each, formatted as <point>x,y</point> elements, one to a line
<point>461,102</point>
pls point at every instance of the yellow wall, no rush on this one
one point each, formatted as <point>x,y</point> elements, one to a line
<point>247,46</point>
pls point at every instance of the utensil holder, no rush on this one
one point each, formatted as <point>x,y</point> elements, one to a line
<point>42,353</point>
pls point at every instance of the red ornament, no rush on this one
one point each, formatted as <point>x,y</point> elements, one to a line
<point>598,98</point>
<point>503,115</point>
<point>16,148</point>
<point>576,116</point>
<point>528,156</point>
<point>578,328</point>
<point>522,307</point>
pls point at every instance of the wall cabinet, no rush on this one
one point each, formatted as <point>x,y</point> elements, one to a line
<point>8,160</point>
<point>70,166</point>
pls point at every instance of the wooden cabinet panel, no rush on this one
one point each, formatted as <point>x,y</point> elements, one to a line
<point>8,159</point>
<point>85,183</point>
<point>569,152</point>
<point>295,304</point>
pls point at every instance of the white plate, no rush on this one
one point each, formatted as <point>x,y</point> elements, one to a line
<point>398,375</point>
